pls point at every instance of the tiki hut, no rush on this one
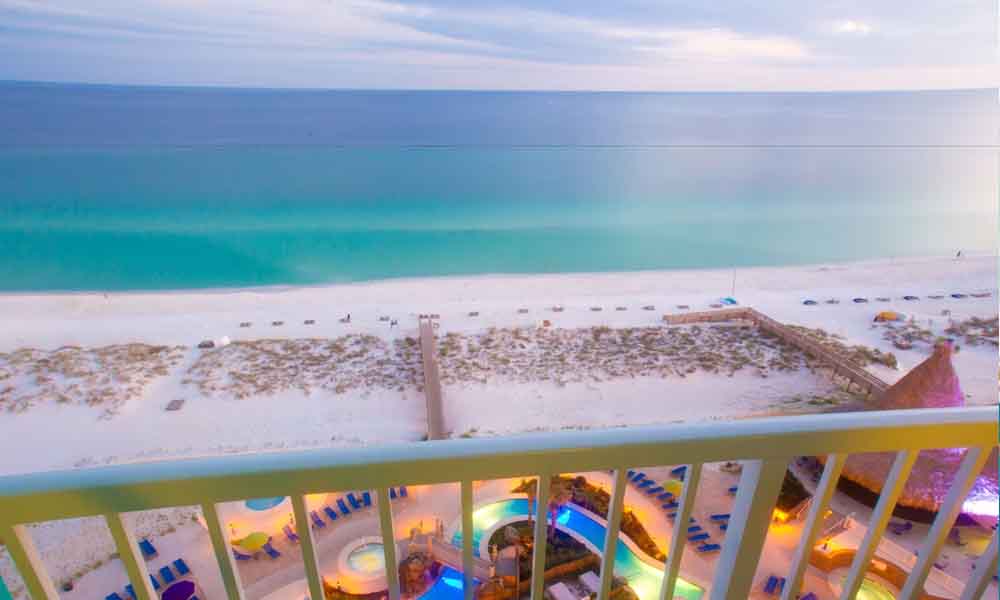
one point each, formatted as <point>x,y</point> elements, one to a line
<point>931,384</point>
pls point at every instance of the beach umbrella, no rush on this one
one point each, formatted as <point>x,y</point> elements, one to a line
<point>253,542</point>
<point>889,315</point>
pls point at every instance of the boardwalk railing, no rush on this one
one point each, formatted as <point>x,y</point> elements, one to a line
<point>765,445</point>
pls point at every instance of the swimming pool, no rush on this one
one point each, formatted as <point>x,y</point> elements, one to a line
<point>644,579</point>
<point>367,559</point>
<point>873,590</point>
<point>447,587</point>
<point>264,503</point>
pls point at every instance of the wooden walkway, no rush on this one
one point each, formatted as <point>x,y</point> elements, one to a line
<point>432,380</point>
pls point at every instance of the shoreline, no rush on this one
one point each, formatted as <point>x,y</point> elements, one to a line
<point>283,288</point>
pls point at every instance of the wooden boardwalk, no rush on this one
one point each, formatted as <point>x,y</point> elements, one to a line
<point>432,380</point>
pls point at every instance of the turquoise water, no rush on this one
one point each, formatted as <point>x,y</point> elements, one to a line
<point>107,188</point>
<point>644,579</point>
<point>448,586</point>
<point>368,559</point>
<point>264,503</point>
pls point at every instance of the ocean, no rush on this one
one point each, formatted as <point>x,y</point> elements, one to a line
<point>133,188</point>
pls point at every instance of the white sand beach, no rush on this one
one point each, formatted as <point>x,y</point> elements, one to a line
<point>85,378</point>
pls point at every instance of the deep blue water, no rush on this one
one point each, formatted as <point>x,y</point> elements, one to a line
<point>105,187</point>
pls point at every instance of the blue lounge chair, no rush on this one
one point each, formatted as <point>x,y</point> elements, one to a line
<point>781,585</point>
<point>629,474</point>
<point>354,501</point>
<point>771,585</point>
<point>366,498</point>
<point>958,296</point>
<point>148,551</point>
<point>167,575</point>
<point>698,537</point>
<point>645,484</point>
<point>402,491</point>
<point>732,491</point>
<point>270,550</point>
<point>809,596</point>
<point>910,298</point>
<point>181,566</point>
<point>193,598</point>
<point>291,535</point>
<point>392,493</point>
<point>709,548</point>
<point>131,590</point>
<point>720,517</point>
<point>809,302</point>
<point>639,477</point>
<point>330,513</point>
<point>156,584</point>
<point>679,471</point>
<point>316,519</point>
<point>238,556</point>
<point>671,505</point>
<point>656,490</point>
<point>113,596</point>
<point>665,496</point>
<point>724,526</point>
<point>694,528</point>
<point>343,507</point>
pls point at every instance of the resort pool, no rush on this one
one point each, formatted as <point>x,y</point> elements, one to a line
<point>644,579</point>
<point>447,587</point>
<point>264,503</point>
<point>368,559</point>
<point>873,590</point>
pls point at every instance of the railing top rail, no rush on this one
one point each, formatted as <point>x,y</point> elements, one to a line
<point>139,486</point>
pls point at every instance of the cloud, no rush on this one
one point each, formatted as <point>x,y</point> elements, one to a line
<point>851,27</point>
<point>728,46</point>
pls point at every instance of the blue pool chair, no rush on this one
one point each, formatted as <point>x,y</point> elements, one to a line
<point>698,537</point>
<point>709,548</point>
<point>316,519</point>
<point>156,584</point>
<point>392,493</point>
<point>809,596</point>
<point>402,491</point>
<point>291,535</point>
<point>694,528</point>
<point>366,498</point>
<point>238,556</point>
<point>671,505</point>
<point>354,501</point>
<point>270,550</point>
<point>732,491</point>
<point>167,575</point>
<point>131,590</point>
<point>343,507</point>
<point>113,596</point>
<point>656,490</point>
<point>181,566</point>
<point>330,513</point>
<point>665,496</point>
<point>720,517</point>
<point>645,484</point>
<point>148,550</point>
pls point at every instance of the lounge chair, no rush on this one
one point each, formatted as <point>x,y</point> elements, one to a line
<point>366,498</point>
<point>698,537</point>
<point>167,575</point>
<point>355,504</point>
<point>809,302</point>
<point>656,490</point>
<point>694,528</point>
<point>704,548</point>
<point>781,584</point>
<point>402,491</point>
<point>671,505</point>
<point>771,585</point>
<point>629,474</point>
<point>193,598</point>
<point>679,471</point>
<point>148,550</point>
<point>639,477</point>
<point>809,596</point>
<point>343,507</point>
<point>156,584</point>
<point>859,300</point>
<point>645,484</point>
<point>392,493</point>
<point>719,517</point>
<point>113,596</point>
<point>958,296</point>
<point>270,550</point>
<point>238,556</point>
<point>131,590</point>
<point>732,491</point>
<point>316,519</point>
<point>665,496</point>
<point>291,535</point>
<point>181,566</point>
<point>330,513</point>
<point>724,526</point>
<point>911,298</point>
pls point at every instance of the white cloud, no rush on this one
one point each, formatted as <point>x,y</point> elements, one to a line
<point>727,46</point>
<point>851,27</point>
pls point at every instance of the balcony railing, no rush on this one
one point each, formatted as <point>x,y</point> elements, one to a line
<point>766,446</point>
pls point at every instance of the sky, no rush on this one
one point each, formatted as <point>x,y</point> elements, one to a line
<point>517,44</point>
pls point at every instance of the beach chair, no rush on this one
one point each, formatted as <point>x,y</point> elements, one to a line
<point>809,596</point>
<point>113,596</point>
<point>291,535</point>
<point>694,528</point>
<point>270,550</point>
<point>167,575</point>
<point>724,526</point>
<point>181,566</point>
<point>672,505</point>
<point>366,498</point>
<point>156,584</point>
<point>355,504</point>
<point>771,585</point>
<point>131,591</point>
<point>316,519</point>
<point>665,496</point>
<point>656,490</point>
<point>639,477</point>
<point>392,493</point>
<point>343,507</point>
<point>238,556</point>
<point>645,484</point>
<point>706,548</point>
<point>679,471</point>
<point>732,491</point>
<point>330,513</point>
<point>719,517</point>
<point>629,474</point>
<point>402,491</point>
<point>781,585</point>
<point>148,550</point>
<point>698,537</point>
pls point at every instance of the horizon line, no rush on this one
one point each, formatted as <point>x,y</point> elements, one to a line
<point>475,90</point>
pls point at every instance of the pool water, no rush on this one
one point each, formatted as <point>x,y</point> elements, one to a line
<point>873,590</point>
<point>643,578</point>
<point>368,559</point>
<point>264,503</point>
